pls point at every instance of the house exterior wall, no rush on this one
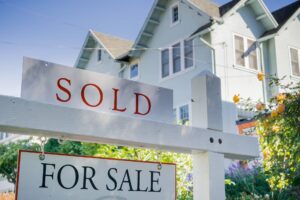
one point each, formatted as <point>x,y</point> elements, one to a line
<point>287,37</point>
<point>235,79</point>
<point>166,35</point>
<point>107,64</point>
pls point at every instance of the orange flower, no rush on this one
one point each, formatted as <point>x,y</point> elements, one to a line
<point>275,128</point>
<point>260,76</point>
<point>280,97</point>
<point>236,99</point>
<point>260,106</point>
<point>266,154</point>
<point>280,108</point>
<point>274,113</point>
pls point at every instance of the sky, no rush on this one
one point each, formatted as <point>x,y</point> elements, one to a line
<point>54,30</point>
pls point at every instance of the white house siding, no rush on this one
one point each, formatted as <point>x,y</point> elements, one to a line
<point>236,80</point>
<point>165,36</point>
<point>107,64</point>
<point>287,37</point>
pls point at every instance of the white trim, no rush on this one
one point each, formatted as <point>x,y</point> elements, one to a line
<point>290,62</point>
<point>172,24</point>
<point>193,47</point>
<point>247,63</point>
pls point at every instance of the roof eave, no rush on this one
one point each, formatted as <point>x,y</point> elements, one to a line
<point>135,44</point>
<point>269,14</point>
<point>82,50</point>
<point>243,3</point>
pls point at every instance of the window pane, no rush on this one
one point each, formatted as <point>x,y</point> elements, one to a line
<point>239,50</point>
<point>134,71</point>
<point>295,62</point>
<point>176,58</point>
<point>188,54</point>
<point>184,114</point>
<point>252,54</point>
<point>99,54</point>
<point>175,14</point>
<point>165,63</point>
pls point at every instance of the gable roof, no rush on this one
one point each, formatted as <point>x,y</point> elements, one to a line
<point>282,16</point>
<point>206,6</point>
<point>227,6</point>
<point>115,46</point>
<point>159,6</point>
<point>258,6</point>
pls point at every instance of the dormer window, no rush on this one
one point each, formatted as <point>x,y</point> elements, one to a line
<point>175,14</point>
<point>99,55</point>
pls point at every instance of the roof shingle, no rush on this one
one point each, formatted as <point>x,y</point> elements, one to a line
<point>115,45</point>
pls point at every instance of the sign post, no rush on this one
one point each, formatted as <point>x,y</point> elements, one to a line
<point>205,139</point>
<point>208,167</point>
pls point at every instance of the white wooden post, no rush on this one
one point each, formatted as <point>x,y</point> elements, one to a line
<point>208,167</point>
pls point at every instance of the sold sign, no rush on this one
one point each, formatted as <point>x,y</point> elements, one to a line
<point>65,86</point>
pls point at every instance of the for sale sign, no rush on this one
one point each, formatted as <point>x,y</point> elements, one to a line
<point>66,86</point>
<point>65,177</point>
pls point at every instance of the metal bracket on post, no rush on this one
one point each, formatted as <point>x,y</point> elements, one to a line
<point>208,167</point>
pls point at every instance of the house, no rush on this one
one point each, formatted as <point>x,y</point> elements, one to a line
<point>282,46</point>
<point>181,38</point>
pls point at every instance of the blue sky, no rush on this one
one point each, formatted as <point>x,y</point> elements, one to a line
<point>54,30</point>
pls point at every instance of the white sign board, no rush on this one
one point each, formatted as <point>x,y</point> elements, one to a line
<point>65,177</point>
<point>60,85</point>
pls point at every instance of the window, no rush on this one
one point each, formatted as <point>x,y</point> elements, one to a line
<point>252,54</point>
<point>184,114</point>
<point>176,58</point>
<point>134,71</point>
<point>99,55</point>
<point>175,14</point>
<point>294,55</point>
<point>188,54</point>
<point>239,50</point>
<point>245,50</point>
<point>165,69</point>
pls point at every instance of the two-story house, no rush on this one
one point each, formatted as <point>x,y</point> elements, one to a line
<point>181,38</point>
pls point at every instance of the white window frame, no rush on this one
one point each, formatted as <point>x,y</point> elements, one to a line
<point>182,59</point>
<point>138,73</point>
<point>247,62</point>
<point>290,61</point>
<point>171,14</point>
<point>193,47</point>
<point>161,63</point>
<point>178,112</point>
